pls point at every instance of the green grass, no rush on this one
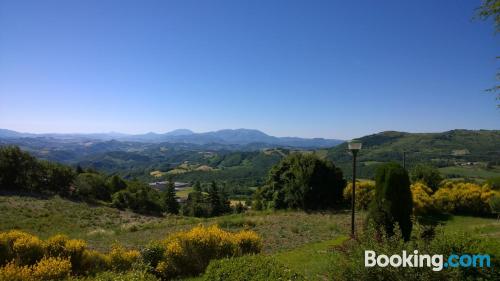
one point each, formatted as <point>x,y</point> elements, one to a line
<point>183,193</point>
<point>102,226</point>
<point>312,260</point>
<point>471,172</point>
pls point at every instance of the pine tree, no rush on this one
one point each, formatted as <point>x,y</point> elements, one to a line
<point>393,199</point>
<point>170,200</point>
<point>215,200</point>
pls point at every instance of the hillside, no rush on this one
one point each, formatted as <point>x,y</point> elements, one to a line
<point>456,148</point>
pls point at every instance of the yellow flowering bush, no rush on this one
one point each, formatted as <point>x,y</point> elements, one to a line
<point>45,269</point>
<point>365,191</point>
<point>12,272</point>
<point>422,198</point>
<point>52,269</point>
<point>189,252</point>
<point>20,246</point>
<point>463,198</point>
<point>93,262</point>
<point>121,259</point>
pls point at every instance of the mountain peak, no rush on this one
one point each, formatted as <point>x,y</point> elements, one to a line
<point>179,132</point>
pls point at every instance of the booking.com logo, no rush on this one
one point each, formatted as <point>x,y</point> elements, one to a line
<point>437,262</point>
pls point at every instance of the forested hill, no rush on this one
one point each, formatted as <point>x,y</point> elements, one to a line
<point>451,148</point>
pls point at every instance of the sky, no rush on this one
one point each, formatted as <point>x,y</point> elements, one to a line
<point>333,69</point>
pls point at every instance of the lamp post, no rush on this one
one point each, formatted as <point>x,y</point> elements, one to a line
<point>354,147</point>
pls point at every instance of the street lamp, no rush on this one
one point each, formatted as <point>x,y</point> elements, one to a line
<point>354,146</point>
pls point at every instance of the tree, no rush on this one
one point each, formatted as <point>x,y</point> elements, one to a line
<point>116,184</point>
<point>197,186</point>
<point>56,178</point>
<point>393,200</point>
<point>304,181</point>
<point>196,205</point>
<point>215,201</point>
<point>18,170</point>
<point>491,9</point>
<point>427,174</point>
<point>170,203</point>
<point>92,186</point>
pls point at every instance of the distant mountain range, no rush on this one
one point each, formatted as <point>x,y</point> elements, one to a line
<point>243,137</point>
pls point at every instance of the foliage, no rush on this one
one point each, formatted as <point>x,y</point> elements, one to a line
<point>463,198</point>
<point>365,191</point>
<point>494,183</point>
<point>249,268</point>
<point>169,199</point>
<point>495,204</point>
<point>20,171</point>
<point>423,203</point>
<point>92,186</point>
<point>26,257</point>
<point>439,149</point>
<point>393,199</point>
<point>304,181</point>
<point>427,174</point>
<point>188,253</point>
<point>351,264</point>
<point>138,197</point>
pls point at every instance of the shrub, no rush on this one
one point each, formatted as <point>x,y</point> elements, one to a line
<point>249,268</point>
<point>189,252</point>
<point>61,246</point>
<point>463,198</point>
<point>393,202</point>
<point>135,275</point>
<point>427,174</point>
<point>122,259</point>
<point>52,269</point>
<point>93,262</point>
<point>45,269</point>
<point>365,191</point>
<point>422,199</point>
<point>351,264</point>
<point>12,272</point>
<point>25,248</point>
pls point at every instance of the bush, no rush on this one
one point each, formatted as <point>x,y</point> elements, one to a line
<point>12,272</point>
<point>122,259</point>
<point>422,199</point>
<point>45,269</point>
<point>351,265</point>
<point>249,268</point>
<point>304,181</point>
<point>393,199</point>
<point>365,191</point>
<point>52,269</point>
<point>427,174</point>
<point>463,198</point>
<point>189,252</point>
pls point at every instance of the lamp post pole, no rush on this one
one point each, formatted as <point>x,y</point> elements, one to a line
<point>354,147</point>
<point>354,153</point>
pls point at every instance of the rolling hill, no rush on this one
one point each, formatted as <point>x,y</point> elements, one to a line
<point>478,148</point>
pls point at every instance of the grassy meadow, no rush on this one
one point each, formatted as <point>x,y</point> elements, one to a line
<point>305,242</point>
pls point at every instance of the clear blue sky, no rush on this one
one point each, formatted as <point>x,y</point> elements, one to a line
<point>337,69</point>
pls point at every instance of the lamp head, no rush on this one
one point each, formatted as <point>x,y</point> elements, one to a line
<point>354,145</point>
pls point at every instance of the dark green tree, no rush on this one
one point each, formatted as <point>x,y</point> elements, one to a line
<point>304,181</point>
<point>170,203</point>
<point>427,174</point>
<point>214,198</point>
<point>116,184</point>
<point>18,170</point>
<point>197,186</point>
<point>393,200</point>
